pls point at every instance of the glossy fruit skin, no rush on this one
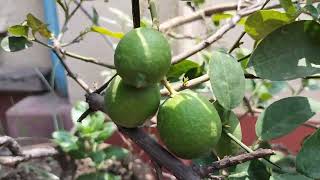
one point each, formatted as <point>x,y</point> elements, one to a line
<point>188,124</point>
<point>128,106</point>
<point>142,57</point>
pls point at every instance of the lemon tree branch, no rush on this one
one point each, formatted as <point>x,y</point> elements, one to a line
<point>217,35</point>
<point>77,56</point>
<point>231,161</point>
<point>217,8</point>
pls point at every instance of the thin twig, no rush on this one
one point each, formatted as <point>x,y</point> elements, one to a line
<point>67,20</point>
<point>181,20</point>
<point>215,37</point>
<point>76,56</point>
<point>232,161</point>
<point>107,39</point>
<point>237,43</point>
<point>75,77</point>
<point>87,59</point>
<point>196,81</point>
<point>189,84</point>
<point>44,80</point>
<point>181,36</point>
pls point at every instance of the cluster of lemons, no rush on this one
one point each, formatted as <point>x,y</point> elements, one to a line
<point>188,124</point>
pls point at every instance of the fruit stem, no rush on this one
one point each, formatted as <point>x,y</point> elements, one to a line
<point>248,149</point>
<point>166,83</point>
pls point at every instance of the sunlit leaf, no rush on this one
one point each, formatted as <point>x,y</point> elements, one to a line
<point>107,32</point>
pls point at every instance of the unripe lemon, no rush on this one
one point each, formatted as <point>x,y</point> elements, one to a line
<point>128,106</point>
<point>188,124</point>
<point>142,57</point>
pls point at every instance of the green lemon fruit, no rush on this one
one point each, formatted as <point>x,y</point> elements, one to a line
<point>142,57</point>
<point>226,146</point>
<point>188,124</point>
<point>128,106</point>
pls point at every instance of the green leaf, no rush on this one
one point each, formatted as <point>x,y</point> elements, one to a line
<point>285,115</point>
<point>19,31</point>
<point>13,44</point>
<point>310,9</point>
<point>216,18</point>
<point>107,32</point>
<point>251,170</point>
<point>98,157</point>
<point>289,7</point>
<point>116,153</point>
<point>65,140</point>
<point>308,158</point>
<point>95,18</point>
<point>195,72</point>
<point>93,123</point>
<point>198,2</point>
<point>289,52</point>
<point>227,80</point>
<point>38,26</point>
<point>289,176</point>
<point>261,23</point>
<point>177,70</point>
<point>107,131</point>
<point>205,160</point>
<point>100,135</point>
<point>99,176</point>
